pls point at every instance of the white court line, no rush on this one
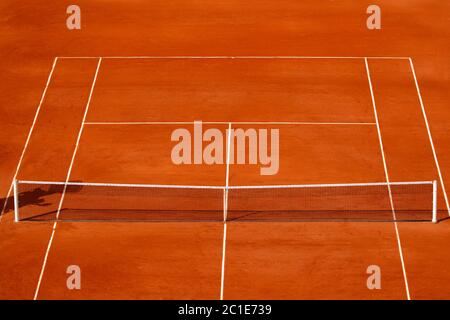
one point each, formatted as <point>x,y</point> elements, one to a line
<point>67,180</point>
<point>28,137</point>
<point>224,244</point>
<point>227,177</point>
<point>234,57</point>
<point>113,123</point>
<point>387,180</point>
<point>429,136</point>
<point>224,249</point>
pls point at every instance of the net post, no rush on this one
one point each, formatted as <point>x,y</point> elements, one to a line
<point>434,220</point>
<point>16,201</point>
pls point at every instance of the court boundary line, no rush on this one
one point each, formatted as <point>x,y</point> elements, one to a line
<point>30,132</point>
<point>55,224</point>
<point>380,140</point>
<point>430,138</point>
<point>224,244</point>
<point>125,123</point>
<point>237,57</point>
<point>224,250</point>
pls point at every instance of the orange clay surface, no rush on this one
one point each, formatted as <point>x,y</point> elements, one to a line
<point>270,260</point>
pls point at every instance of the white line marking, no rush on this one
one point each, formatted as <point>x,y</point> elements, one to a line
<point>227,177</point>
<point>224,245</point>
<point>224,248</point>
<point>228,156</point>
<point>29,136</point>
<point>67,180</point>
<point>232,122</point>
<point>429,136</point>
<point>387,180</point>
<point>232,57</point>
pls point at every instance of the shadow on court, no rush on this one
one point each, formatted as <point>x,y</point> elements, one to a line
<point>35,197</point>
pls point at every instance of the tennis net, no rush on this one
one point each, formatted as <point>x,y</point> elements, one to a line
<point>81,201</point>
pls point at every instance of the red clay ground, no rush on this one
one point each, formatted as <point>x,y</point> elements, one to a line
<point>263,260</point>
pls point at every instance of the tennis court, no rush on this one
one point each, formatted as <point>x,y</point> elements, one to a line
<point>101,140</point>
<point>358,176</point>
